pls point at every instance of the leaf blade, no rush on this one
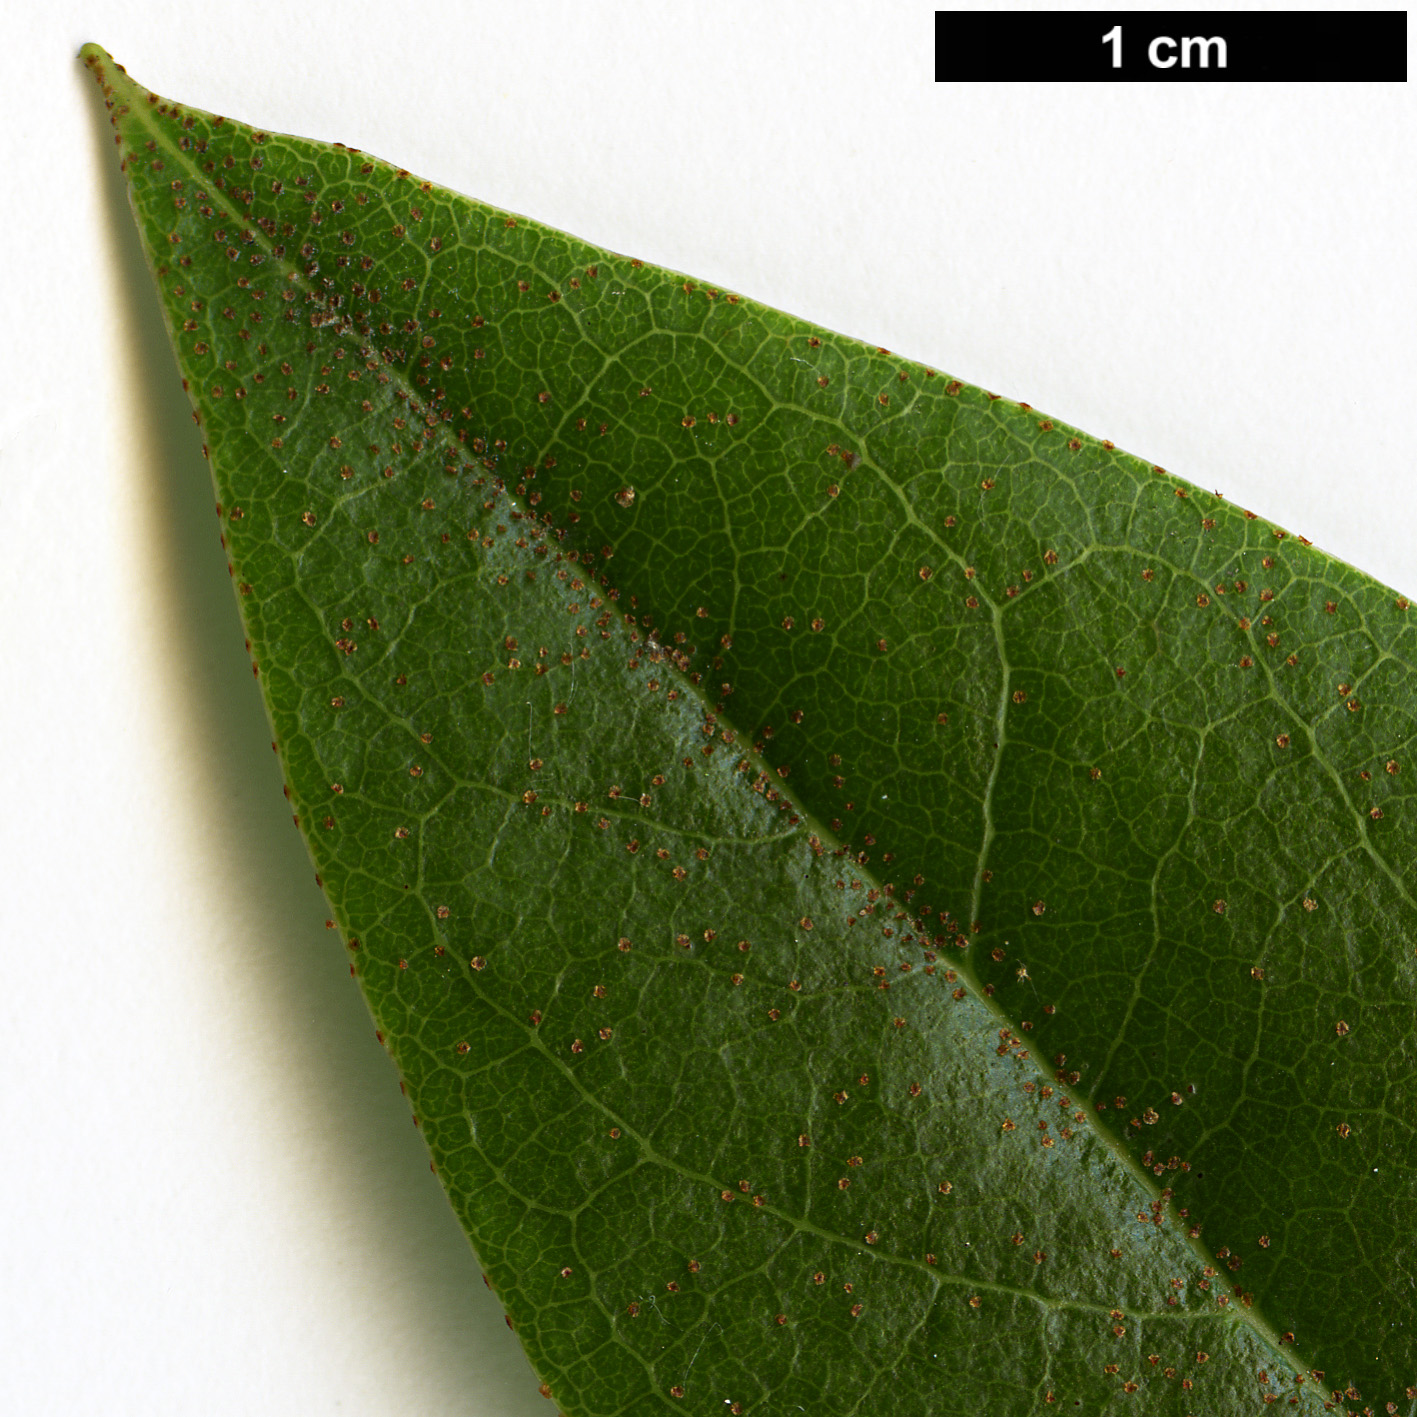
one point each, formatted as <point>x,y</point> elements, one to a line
<point>777,434</point>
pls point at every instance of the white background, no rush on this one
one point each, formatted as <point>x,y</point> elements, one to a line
<point>211,1196</point>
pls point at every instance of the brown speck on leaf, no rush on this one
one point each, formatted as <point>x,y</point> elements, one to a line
<point>1219,907</point>
<point>1344,1130</point>
<point>1341,1028</point>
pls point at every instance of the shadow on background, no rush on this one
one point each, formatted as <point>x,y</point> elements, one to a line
<point>261,875</point>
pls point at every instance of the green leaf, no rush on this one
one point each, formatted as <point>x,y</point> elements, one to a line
<point>880,901</point>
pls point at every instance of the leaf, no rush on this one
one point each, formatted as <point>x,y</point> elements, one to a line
<point>879,900</point>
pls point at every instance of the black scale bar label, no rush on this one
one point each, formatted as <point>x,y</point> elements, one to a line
<point>1171,46</point>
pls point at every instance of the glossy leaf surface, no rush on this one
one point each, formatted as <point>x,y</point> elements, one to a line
<point>880,901</point>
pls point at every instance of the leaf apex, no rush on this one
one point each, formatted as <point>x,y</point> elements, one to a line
<point>111,76</point>
<point>100,62</point>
